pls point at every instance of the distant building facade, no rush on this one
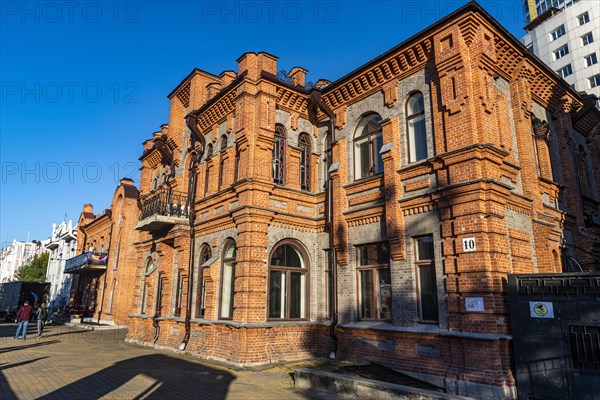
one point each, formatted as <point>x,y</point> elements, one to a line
<point>103,267</point>
<point>62,246</point>
<point>567,38</point>
<point>14,256</point>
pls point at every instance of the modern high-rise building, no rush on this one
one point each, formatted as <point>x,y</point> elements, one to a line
<point>566,36</point>
<point>534,8</point>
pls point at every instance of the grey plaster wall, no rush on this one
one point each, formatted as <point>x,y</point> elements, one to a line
<point>521,222</point>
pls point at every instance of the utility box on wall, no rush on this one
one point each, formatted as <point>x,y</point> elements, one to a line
<point>556,334</point>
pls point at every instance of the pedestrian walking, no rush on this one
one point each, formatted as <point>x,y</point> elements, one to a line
<point>41,314</point>
<point>23,317</point>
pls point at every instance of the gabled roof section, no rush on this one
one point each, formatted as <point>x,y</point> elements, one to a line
<point>188,78</point>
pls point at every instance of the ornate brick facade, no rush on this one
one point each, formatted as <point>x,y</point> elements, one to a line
<point>456,159</point>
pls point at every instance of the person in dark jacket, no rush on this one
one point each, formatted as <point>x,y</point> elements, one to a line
<point>41,314</point>
<point>23,317</point>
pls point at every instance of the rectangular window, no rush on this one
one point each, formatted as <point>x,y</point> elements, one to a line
<point>201,304</point>
<point>159,294</point>
<point>566,71</point>
<point>178,294</point>
<point>558,32</point>
<point>427,281</point>
<point>227,290</point>
<point>587,39</point>
<point>594,81</point>
<point>374,282</point>
<point>221,172</point>
<point>561,52</point>
<point>329,285</point>
<point>591,60</point>
<point>583,18</point>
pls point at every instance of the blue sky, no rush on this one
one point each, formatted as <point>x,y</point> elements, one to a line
<point>85,83</point>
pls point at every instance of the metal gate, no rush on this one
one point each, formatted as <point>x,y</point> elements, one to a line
<point>556,332</point>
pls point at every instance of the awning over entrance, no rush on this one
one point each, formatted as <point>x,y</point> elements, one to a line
<point>85,262</point>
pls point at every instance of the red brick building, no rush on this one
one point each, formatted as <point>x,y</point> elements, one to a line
<point>376,217</point>
<point>104,267</point>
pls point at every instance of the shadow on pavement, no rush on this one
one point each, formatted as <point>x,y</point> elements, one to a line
<point>13,365</point>
<point>5,349</point>
<point>167,378</point>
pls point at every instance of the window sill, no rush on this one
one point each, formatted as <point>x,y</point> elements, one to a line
<point>142,316</point>
<point>423,328</point>
<point>268,324</point>
<point>363,180</point>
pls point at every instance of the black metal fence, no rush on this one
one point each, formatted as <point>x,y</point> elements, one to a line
<point>556,332</point>
<point>170,203</point>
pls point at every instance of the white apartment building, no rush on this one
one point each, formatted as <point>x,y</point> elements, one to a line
<point>62,246</point>
<point>14,256</point>
<point>567,39</point>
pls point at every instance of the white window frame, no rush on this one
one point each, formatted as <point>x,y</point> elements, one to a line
<point>558,32</point>
<point>563,71</point>
<point>590,59</point>
<point>587,39</point>
<point>561,52</point>
<point>583,18</point>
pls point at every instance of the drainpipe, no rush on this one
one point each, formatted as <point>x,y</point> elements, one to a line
<point>318,103</point>
<point>191,121</point>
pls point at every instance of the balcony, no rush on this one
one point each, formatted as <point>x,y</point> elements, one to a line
<point>86,261</point>
<point>163,209</point>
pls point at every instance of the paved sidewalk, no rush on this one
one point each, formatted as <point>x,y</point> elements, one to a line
<point>71,363</point>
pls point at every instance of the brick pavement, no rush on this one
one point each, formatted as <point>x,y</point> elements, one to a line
<point>71,363</point>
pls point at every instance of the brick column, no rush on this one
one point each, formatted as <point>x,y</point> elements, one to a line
<point>394,218</point>
<point>250,298</point>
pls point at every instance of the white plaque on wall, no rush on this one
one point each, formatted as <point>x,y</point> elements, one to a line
<point>474,304</point>
<point>469,244</point>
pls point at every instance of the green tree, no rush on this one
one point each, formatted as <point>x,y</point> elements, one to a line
<point>34,270</point>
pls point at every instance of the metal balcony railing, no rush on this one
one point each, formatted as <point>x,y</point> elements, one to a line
<point>90,259</point>
<point>162,202</point>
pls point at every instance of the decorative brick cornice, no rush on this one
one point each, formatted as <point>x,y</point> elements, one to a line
<point>396,66</point>
<point>291,100</point>
<point>217,111</point>
<point>419,209</point>
<point>371,219</point>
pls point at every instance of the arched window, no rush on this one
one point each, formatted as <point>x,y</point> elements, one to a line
<point>209,151</point>
<point>222,161</point>
<point>536,158</point>
<point>583,172</point>
<point>144,288</point>
<point>205,255</point>
<point>304,144</point>
<point>227,279</point>
<point>179,284</point>
<point>279,155</point>
<point>415,121</point>
<point>287,282</point>
<point>206,179</point>
<point>367,144</point>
